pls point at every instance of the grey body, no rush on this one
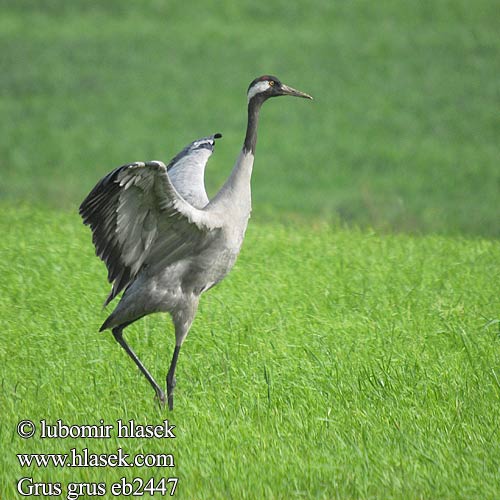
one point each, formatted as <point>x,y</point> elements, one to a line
<point>175,287</point>
<point>163,241</point>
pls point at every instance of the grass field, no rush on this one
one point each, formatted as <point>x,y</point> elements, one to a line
<point>330,364</point>
<point>354,351</point>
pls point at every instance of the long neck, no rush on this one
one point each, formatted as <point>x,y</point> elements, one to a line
<point>254,106</point>
<point>236,192</point>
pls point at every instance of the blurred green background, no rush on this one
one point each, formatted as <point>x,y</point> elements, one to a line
<point>403,133</point>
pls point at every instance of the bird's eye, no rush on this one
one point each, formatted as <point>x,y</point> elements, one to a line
<point>271,83</point>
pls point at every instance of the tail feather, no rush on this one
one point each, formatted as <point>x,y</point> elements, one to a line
<point>111,324</point>
<point>106,324</point>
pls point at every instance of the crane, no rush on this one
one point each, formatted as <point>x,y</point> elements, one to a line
<point>163,241</point>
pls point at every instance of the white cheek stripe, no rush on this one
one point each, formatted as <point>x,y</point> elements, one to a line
<point>257,89</point>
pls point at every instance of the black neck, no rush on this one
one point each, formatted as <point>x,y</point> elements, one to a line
<point>253,119</point>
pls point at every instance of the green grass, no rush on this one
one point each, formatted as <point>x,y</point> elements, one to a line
<point>403,133</point>
<point>329,364</point>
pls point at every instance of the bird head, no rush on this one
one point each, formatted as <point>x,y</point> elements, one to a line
<point>269,86</point>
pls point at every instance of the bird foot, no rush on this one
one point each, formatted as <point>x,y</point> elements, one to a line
<point>160,396</point>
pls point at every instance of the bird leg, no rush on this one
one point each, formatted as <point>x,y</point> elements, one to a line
<point>171,378</point>
<point>118,334</point>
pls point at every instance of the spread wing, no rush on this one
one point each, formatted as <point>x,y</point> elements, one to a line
<point>187,170</point>
<point>135,212</point>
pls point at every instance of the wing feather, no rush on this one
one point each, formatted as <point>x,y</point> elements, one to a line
<point>187,170</point>
<point>137,217</point>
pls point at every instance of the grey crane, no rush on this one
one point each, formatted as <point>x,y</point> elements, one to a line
<point>163,241</point>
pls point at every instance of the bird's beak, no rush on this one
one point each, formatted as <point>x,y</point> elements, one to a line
<point>286,90</point>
